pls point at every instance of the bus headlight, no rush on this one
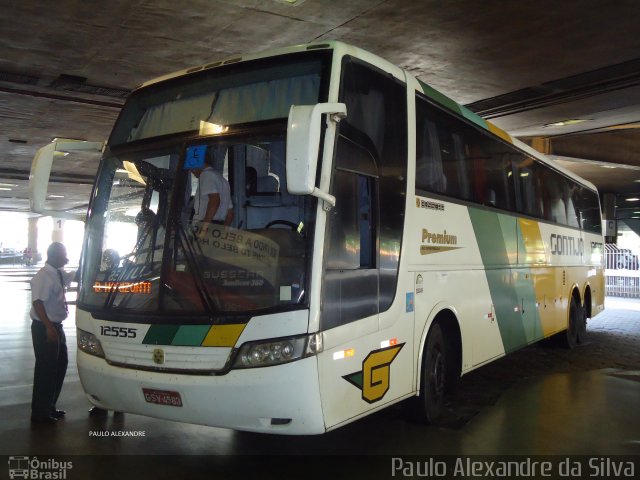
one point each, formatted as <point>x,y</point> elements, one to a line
<point>89,343</point>
<point>264,353</point>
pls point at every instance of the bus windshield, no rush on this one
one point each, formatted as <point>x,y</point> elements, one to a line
<point>147,253</point>
<point>150,252</point>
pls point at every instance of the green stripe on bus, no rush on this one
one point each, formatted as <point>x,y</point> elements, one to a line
<point>191,335</point>
<point>452,105</point>
<point>160,334</point>
<point>490,235</point>
<point>440,98</point>
<point>525,290</point>
<point>526,287</point>
<point>469,115</point>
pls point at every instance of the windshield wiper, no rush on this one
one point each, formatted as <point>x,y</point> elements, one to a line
<point>113,291</point>
<point>212,304</point>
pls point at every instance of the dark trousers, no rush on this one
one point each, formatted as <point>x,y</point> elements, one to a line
<point>51,367</point>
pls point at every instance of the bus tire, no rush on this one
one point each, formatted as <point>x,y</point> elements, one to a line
<point>428,407</point>
<point>570,337</point>
<point>582,324</point>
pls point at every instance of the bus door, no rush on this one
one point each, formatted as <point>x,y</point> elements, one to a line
<point>350,297</point>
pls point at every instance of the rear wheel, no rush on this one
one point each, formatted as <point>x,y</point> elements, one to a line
<point>428,407</point>
<point>582,325</point>
<point>570,338</point>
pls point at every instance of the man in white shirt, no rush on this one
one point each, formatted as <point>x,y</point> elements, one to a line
<point>212,202</point>
<point>49,309</point>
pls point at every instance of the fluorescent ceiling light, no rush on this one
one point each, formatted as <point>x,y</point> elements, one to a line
<point>8,185</point>
<point>566,123</point>
<point>5,188</point>
<point>632,199</point>
<point>56,196</point>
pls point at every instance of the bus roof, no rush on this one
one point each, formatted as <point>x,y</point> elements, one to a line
<point>345,49</point>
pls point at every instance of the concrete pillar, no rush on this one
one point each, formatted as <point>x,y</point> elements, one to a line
<point>541,144</point>
<point>32,239</point>
<point>609,216</point>
<point>57,235</point>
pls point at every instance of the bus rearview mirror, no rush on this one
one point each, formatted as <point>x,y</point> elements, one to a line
<point>303,145</point>
<point>41,170</point>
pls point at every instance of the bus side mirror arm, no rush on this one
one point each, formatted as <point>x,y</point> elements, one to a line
<point>41,170</point>
<point>303,145</point>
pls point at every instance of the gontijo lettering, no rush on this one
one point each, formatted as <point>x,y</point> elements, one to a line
<point>564,245</point>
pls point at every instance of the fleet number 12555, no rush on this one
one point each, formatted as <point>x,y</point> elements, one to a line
<point>121,332</point>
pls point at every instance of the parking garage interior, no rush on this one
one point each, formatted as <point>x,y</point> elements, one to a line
<point>562,77</point>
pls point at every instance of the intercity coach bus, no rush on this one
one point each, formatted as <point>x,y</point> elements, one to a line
<point>385,241</point>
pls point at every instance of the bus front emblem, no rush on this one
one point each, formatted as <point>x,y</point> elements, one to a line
<point>375,377</point>
<point>158,356</point>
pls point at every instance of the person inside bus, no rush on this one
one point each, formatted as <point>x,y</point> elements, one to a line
<point>212,203</point>
<point>150,233</point>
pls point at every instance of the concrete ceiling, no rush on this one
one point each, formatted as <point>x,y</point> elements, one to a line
<point>65,70</point>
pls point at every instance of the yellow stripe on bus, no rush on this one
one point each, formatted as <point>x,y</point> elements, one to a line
<point>499,132</point>
<point>223,335</point>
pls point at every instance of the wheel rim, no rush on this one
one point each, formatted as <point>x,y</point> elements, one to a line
<point>582,326</point>
<point>437,374</point>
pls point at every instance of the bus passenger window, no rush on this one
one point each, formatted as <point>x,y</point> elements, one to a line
<point>352,229</point>
<point>429,169</point>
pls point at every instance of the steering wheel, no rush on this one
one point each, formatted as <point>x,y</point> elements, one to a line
<point>293,226</point>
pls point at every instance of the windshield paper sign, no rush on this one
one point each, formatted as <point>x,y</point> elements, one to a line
<point>244,250</point>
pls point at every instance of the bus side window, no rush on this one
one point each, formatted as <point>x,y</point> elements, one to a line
<point>352,223</point>
<point>461,167</point>
<point>351,256</point>
<point>430,173</point>
<point>429,169</point>
<point>569,194</point>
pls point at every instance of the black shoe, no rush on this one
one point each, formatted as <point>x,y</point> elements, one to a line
<point>97,411</point>
<point>58,414</point>
<point>44,420</point>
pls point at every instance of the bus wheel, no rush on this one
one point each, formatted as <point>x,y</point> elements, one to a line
<point>428,407</point>
<point>570,339</point>
<point>582,325</point>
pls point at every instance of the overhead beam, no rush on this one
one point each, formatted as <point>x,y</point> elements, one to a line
<point>75,178</point>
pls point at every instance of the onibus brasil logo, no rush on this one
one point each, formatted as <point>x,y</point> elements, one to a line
<point>33,468</point>
<point>375,377</point>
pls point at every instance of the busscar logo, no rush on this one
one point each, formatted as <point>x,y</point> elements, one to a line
<point>429,205</point>
<point>375,377</point>
<point>33,468</point>
<point>437,242</point>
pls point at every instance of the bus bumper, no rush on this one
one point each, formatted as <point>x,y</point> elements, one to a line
<point>283,399</point>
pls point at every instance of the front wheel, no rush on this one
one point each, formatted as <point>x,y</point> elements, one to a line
<point>427,408</point>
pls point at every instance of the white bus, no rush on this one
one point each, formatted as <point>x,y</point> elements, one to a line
<point>385,241</point>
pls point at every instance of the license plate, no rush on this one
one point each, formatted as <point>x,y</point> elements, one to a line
<point>162,397</point>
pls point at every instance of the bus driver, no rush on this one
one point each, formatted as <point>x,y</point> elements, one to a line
<point>212,202</point>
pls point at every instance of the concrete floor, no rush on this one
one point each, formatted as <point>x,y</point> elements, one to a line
<point>538,401</point>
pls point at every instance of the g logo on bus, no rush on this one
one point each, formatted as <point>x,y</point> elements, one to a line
<point>158,356</point>
<point>375,377</point>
